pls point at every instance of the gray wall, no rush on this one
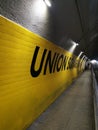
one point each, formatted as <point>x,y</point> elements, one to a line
<point>65,19</point>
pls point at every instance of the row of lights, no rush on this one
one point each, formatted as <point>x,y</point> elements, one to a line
<point>81,53</point>
<point>48,3</point>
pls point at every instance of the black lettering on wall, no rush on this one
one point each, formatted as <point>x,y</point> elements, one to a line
<point>75,62</point>
<point>55,62</point>
<point>69,62</point>
<point>34,72</point>
<point>50,62</point>
<point>72,63</point>
<point>64,62</point>
<point>59,63</point>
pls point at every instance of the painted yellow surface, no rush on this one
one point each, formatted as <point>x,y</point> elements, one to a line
<point>22,96</point>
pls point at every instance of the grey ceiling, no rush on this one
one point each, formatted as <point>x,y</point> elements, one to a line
<point>66,19</point>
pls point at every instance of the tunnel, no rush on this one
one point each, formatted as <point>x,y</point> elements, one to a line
<point>48,65</point>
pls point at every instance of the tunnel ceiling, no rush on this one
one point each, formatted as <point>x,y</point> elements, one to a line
<point>65,19</point>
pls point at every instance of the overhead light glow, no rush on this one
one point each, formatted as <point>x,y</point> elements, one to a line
<point>73,47</point>
<point>74,43</point>
<point>80,54</point>
<point>77,44</point>
<point>93,61</point>
<point>47,3</point>
<point>39,11</point>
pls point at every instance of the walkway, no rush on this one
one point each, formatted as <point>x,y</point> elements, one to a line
<point>73,110</point>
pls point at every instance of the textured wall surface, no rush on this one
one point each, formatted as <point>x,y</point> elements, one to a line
<point>56,23</point>
<point>23,97</point>
<point>33,73</point>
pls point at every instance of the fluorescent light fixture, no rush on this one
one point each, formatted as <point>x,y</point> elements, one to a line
<point>72,48</point>
<point>77,44</point>
<point>47,3</point>
<point>80,54</point>
<point>74,43</point>
<point>93,61</point>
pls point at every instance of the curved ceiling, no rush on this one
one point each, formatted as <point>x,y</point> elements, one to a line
<point>64,20</point>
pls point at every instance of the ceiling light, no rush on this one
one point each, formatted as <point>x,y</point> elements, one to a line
<point>47,3</point>
<point>77,44</point>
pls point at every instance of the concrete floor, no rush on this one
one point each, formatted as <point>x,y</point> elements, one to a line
<point>73,110</point>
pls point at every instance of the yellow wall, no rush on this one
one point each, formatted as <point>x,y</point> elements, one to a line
<point>22,96</point>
